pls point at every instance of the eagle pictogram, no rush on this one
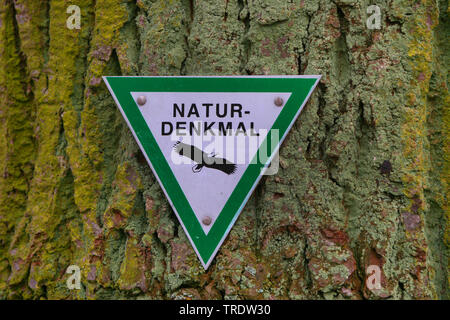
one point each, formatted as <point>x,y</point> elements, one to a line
<point>203,160</point>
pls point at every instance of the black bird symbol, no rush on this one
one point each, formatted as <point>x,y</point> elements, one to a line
<point>203,160</point>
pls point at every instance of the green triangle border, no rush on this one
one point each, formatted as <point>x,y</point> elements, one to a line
<point>120,87</point>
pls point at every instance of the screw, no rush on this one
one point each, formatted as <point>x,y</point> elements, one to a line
<point>207,221</point>
<point>278,101</point>
<point>141,100</point>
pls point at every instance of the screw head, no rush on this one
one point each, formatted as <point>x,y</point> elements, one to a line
<point>206,221</point>
<point>141,100</point>
<point>278,101</point>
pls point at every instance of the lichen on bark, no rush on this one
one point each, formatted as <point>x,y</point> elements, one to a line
<point>363,176</point>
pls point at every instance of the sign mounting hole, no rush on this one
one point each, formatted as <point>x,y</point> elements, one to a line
<point>141,100</point>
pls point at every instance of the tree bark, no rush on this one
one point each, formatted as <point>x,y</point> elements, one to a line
<point>364,170</point>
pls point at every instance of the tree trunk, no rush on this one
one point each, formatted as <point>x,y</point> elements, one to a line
<point>364,170</point>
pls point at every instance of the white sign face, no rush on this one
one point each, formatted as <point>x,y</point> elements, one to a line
<point>208,141</point>
<point>209,189</point>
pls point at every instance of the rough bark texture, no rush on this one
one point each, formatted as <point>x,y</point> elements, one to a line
<point>363,176</point>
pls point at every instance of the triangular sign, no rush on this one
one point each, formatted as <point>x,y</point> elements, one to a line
<point>208,141</point>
